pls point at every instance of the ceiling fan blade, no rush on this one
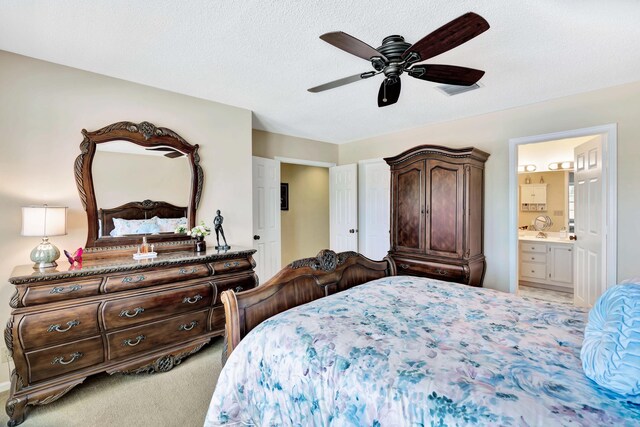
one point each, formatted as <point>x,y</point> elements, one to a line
<point>351,44</point>
<point>389,92</point>
<point>342,82</point>
<point>160,149</point>
<point>174,154</point>
<point>447,74</point>
<point>450,35</point>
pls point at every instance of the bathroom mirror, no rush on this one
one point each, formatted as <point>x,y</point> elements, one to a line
<point>137,180</point>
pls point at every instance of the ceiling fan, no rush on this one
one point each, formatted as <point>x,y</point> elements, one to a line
<point>171,153</point>
<point>396,56</point>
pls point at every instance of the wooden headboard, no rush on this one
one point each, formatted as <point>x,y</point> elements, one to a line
<point>139,210</point>
<point>298,283</point>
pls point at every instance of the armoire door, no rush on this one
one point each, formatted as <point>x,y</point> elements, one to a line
<point>445,209</point>
<point>407,216</point>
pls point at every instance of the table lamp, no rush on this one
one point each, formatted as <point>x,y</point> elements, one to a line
<point>44,221</point>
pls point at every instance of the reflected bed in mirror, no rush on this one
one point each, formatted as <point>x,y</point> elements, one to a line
<point>134,180</point>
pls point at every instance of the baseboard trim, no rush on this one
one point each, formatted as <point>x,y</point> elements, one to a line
<point>5,386</point>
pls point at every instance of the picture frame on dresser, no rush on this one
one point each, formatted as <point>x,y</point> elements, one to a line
<point>114,314</point>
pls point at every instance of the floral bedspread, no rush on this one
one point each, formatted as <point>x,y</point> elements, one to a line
<point>408,351</point>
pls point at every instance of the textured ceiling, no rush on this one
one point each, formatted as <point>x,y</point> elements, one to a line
<point>262,55</point>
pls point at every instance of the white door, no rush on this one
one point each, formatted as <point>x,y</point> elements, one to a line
<point>266,217</point>
<point>590,243</point>
<point>374,181</point>
<point>343,207</point>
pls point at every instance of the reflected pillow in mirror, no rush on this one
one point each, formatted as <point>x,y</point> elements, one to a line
<point>134,226</point>
<point>611,348</point>
<point>169,225</point>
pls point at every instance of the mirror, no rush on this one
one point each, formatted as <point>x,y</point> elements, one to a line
<point>542,223</point>
<point>137,180</point>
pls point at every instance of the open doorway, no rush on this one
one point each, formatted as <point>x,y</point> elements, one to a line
<point>304,210</point>
<point>562,186</point>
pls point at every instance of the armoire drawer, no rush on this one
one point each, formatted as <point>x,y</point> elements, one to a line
<point>53,361</point>
<point>452,273</point>
<point>51,327</point>
<point>154,335</point>
<point>134,280</point>
<point>131,311</point>
<point>61,291</point>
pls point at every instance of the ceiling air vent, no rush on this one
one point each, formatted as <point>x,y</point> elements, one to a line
<point>457,90</point>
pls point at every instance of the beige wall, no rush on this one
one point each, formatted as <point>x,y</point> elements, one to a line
<point>270,145</point>
<point>305,226</point>
<point>557,199</point>
<point>491,132</point>
<point>43,108</point>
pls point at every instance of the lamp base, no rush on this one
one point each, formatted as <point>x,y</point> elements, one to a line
<point>45,255</point>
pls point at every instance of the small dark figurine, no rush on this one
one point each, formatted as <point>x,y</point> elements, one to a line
<point>217,224</point>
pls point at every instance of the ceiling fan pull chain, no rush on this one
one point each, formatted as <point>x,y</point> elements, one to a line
<point>384,91</point>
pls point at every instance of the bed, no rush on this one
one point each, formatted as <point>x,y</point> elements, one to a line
<point>144,210</point>
<point>400,350</point>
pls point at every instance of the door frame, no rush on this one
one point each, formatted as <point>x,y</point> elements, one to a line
<point>609,134</point>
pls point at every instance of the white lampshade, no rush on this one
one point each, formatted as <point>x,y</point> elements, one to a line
<point>44,221</point>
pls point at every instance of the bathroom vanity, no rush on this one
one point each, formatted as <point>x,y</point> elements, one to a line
<point>547,261</point>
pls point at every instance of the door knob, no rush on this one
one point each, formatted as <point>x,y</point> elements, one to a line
<point>352,231</point>
<point>256,237</point>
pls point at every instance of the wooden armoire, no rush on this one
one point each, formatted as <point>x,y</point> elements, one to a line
<point>437,205</point>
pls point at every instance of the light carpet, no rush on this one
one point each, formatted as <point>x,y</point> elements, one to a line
<point>177,398</point>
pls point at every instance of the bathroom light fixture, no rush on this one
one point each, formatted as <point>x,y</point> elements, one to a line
<point>527,168</point>
<point>560,166</point>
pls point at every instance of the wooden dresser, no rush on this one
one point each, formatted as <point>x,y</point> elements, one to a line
<point>115,315</point>
<point>437,208</point>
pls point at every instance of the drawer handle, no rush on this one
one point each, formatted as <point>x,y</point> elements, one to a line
<point>131,343</point>
<point>61,290</point>
<point>533,271</point>
<point>60,359</point>
<point>231,264</point>
<point>533,258</point>
<point>188,327</point>
<point>136,311</point>
<point>404,266</point>
<point>192,300</point>
<point>239,289</point>
<point>130,279</point>
<point>185,271</point>
<point>441,272</point>
<point>70,325</point>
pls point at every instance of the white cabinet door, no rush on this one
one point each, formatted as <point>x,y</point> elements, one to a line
<point>539,194</point>
<point>561,264</point>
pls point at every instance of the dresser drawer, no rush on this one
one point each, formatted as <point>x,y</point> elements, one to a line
<point>237,284</point>
<point>130,311</point>
<point>533,257</point>
<point>51,327</point>
<point>451,273</point>
<point>533,247</point>
<point>143,279</point>
<point>217,319</point>
<point>53,361</point>
<point>231,266</point>
<point>154,335</point>
<point>533,270</point>
<point>60,291</point>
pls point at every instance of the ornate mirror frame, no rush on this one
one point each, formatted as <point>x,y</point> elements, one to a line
<point>149,136</point>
